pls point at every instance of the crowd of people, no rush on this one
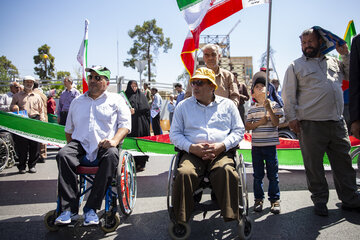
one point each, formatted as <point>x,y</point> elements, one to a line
<point>208,121</point>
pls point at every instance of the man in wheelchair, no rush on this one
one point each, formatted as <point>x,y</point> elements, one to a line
<point>97,123</point>
<point>206,126</point>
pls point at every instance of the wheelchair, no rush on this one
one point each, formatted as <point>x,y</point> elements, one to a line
<point>355,156</point>
<point>123,189</point>
<point>180,231</point>
<point>7,151</point>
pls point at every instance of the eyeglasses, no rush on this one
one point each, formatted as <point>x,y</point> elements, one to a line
<point>198,83</point>
<point>97,78</point>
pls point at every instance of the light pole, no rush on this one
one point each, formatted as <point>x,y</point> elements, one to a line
<point>140,65</point>
<point>47,57</point>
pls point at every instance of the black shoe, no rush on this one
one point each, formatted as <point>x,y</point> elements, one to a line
<point>321,209</point>
<point>41,160</point>
<point>348,208</point>
<point>22,171</point>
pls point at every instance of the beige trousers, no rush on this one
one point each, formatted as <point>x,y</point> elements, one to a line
<point>223,178</point>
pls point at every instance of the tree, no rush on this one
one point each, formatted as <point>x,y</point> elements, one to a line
<point>7,70</point>
<point>148,39</point>
<point>184,78</point>
<point>45,63</point>
<point>62,74</point>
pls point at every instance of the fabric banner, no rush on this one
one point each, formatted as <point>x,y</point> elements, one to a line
<point>350,33</point>
<point>288,151</point>
<point>201,14</point>
<point>82,56</point>
<point>330,40</point>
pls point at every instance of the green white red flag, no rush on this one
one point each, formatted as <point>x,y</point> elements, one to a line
<point>82,56</point>
<point>201,14</point>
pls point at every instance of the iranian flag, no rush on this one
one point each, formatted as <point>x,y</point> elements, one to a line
<point>82,56</point>
<point>201,14</point>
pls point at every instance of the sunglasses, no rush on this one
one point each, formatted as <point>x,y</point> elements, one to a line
<point>97,78</point>
<point>198,83</point>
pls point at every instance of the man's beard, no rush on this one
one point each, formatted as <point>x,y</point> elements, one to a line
<point>312,53</point>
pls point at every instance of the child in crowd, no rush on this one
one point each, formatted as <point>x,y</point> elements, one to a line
<point>264,140</point>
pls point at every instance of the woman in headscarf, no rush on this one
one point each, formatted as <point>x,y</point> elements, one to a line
<point>140,118</point>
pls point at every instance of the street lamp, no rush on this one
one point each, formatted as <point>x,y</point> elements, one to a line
<point>46,57</point>
<point>140,65</point>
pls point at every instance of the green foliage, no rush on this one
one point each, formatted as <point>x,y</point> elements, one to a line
<point>44,62</point>
<point>148,39</point>
<point>8,72</point>
<point>62,74</point>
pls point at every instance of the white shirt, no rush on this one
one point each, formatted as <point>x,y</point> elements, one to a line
<point>90,121</point>
<point>218,122</point>
<point>156,105</point>
<point>5,101</point>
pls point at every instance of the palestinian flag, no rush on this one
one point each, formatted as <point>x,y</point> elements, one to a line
<point>82,56</point>
<point>201,14</point>
<point>350,33</point>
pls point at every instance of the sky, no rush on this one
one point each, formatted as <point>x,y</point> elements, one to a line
<point>26,25</point>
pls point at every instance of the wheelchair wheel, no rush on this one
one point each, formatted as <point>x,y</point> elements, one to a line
<point>126,183</point>
<point>4,154</point>
<point>355,156</point>
<point>109,222</point>
<point>49,221</point>
<point>179,231</point>
<point>243,194</point>
<point>245,228</point>
<point>171,178</point>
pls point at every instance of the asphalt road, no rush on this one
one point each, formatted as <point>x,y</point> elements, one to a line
<point>25,199</point>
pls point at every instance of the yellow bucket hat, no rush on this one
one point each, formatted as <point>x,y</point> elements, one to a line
<point>205,73</point>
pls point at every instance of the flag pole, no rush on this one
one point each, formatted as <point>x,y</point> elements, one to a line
<point>195,60</point>
<point>268,48</point>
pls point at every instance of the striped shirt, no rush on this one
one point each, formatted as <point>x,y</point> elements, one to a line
<point>264,135</point>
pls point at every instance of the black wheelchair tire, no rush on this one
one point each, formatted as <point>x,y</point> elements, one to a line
<point>49,221</point>
<point>126,199</point>
<point>109,222</point>
<point>179,231</point>
<point>245,228</point>
<point>4,154</point>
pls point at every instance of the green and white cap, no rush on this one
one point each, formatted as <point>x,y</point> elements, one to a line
<point>102,71</point>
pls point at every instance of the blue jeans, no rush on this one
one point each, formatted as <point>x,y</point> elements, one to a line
<point>259,154</point>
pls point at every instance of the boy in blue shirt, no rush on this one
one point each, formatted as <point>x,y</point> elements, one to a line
<point>265,137</point>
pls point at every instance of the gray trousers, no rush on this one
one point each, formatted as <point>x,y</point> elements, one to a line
<point>330,137</point>
<point>68,158</point>
<point>223,178</point>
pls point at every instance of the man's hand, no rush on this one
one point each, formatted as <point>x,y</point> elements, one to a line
<point>342,50</point>
<point>15,108</point>
<point>355,129</point>
<point>132,110</point>
<point>107,143</point>
<point>295,126</point>
<point>207,151</point>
